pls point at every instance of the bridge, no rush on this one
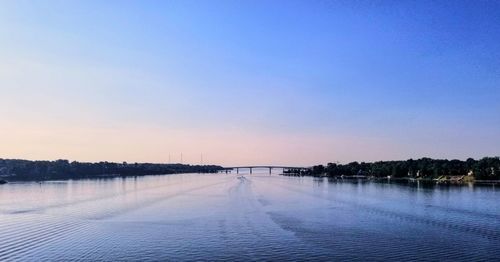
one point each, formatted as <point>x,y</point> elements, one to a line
<point>229,169</point>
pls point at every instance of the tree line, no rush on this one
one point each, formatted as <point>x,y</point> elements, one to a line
<point>487,168</point>
<point>16,169</point>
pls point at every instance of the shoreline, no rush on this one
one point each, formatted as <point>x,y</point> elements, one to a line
<point>427,181</point>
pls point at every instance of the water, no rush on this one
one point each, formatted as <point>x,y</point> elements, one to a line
<point>258,217</point>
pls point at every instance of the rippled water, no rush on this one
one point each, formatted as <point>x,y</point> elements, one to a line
<point>257,217</point>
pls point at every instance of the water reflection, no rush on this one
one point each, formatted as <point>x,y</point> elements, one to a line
<point>223,217</point>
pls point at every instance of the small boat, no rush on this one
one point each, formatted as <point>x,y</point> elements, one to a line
<point>3,182</point>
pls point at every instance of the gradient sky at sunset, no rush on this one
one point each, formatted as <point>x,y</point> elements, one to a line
<point>249,82</point>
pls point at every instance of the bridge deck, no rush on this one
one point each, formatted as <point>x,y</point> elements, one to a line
<point>286,167</point>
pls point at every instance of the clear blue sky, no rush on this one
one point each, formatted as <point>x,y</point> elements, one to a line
<point>244,82</point>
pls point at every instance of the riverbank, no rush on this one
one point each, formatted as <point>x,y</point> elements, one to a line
<point>441,171</point>
<point>437,181</point>
<point>27,170</point>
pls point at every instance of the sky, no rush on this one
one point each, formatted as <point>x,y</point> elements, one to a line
<point>249,82</point>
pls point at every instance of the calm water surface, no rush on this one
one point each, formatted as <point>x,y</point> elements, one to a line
<point>258,217</point>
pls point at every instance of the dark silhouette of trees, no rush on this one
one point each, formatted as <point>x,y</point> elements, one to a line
<point>487,168</point>
<point>15,169</point>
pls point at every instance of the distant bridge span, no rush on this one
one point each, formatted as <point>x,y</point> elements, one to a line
<point>229,169</point>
